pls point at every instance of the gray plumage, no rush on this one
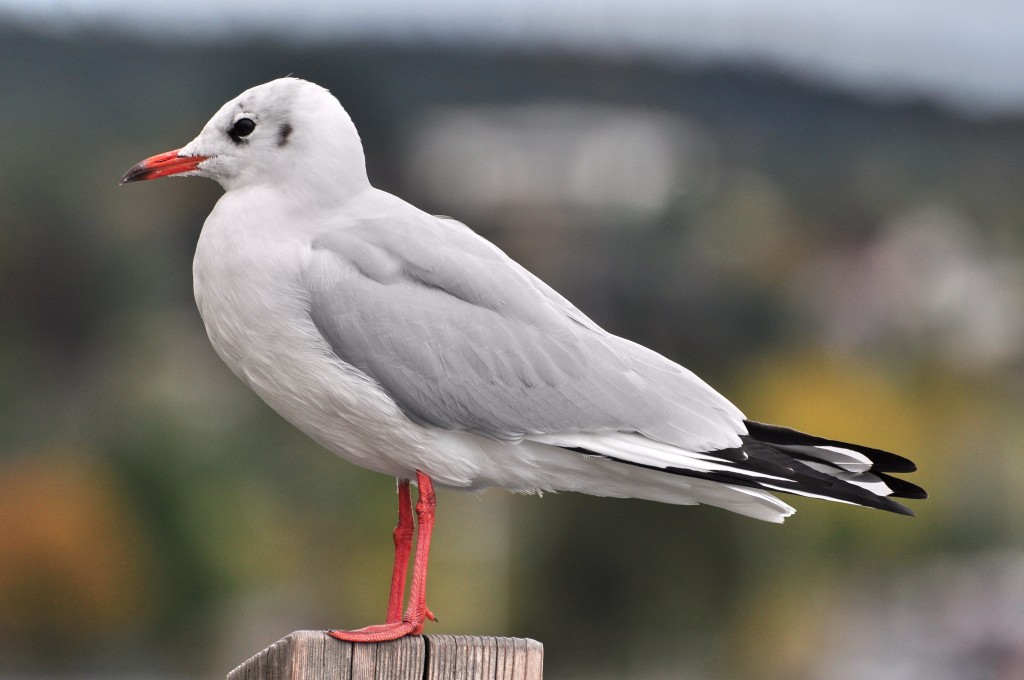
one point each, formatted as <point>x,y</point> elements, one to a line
<point>463,338</point>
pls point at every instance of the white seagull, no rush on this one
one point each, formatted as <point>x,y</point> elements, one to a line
<point>409,345</point>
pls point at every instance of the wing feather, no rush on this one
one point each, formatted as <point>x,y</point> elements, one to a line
<point>463,338</point>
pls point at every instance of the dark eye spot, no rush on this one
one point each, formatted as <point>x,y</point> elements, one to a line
<point>243,127</point>
<point>283,132</point>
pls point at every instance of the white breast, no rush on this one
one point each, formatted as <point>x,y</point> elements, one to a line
<point>249,291</point>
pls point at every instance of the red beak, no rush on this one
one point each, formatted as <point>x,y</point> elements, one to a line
<point>161,165</point>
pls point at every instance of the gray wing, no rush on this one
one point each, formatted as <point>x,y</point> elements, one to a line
<point>464,338</point>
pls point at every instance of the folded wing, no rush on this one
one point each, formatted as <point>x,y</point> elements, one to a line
<point>464,338</point>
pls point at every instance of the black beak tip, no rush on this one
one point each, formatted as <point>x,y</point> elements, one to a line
<point>134,174</point>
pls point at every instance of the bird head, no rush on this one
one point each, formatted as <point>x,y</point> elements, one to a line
<point>286,132</point>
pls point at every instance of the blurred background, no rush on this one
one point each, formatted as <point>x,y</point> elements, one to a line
<point>817,206</point>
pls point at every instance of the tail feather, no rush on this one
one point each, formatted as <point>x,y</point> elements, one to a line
<point>818,478</point>
<point>769,458</point>
<point>829,457</point>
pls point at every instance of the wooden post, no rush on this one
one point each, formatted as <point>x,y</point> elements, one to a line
<point>314,655</point>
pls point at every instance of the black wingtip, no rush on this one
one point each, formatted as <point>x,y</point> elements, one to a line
<point>901,488</point>
<point>882,461</point>
<point>898,508</point>
<point>789,442</point>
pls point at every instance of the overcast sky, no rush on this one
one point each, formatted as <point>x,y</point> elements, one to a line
<point>968,53</point>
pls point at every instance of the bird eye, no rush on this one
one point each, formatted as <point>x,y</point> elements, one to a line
<point>243,127</point>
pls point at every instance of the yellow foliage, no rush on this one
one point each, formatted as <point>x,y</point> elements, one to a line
<point>836,397</point>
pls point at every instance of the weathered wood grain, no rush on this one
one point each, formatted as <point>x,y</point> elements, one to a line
<point>313,655</point>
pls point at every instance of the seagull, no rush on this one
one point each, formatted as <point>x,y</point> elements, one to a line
<point>409,345</point>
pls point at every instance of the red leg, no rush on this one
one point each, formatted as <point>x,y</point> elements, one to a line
<point>425,507</point>
<point>403,547</point>
<point>417,612</point>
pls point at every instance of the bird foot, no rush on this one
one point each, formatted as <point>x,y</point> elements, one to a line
<point>385,631</point>
<point>379,633</point>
